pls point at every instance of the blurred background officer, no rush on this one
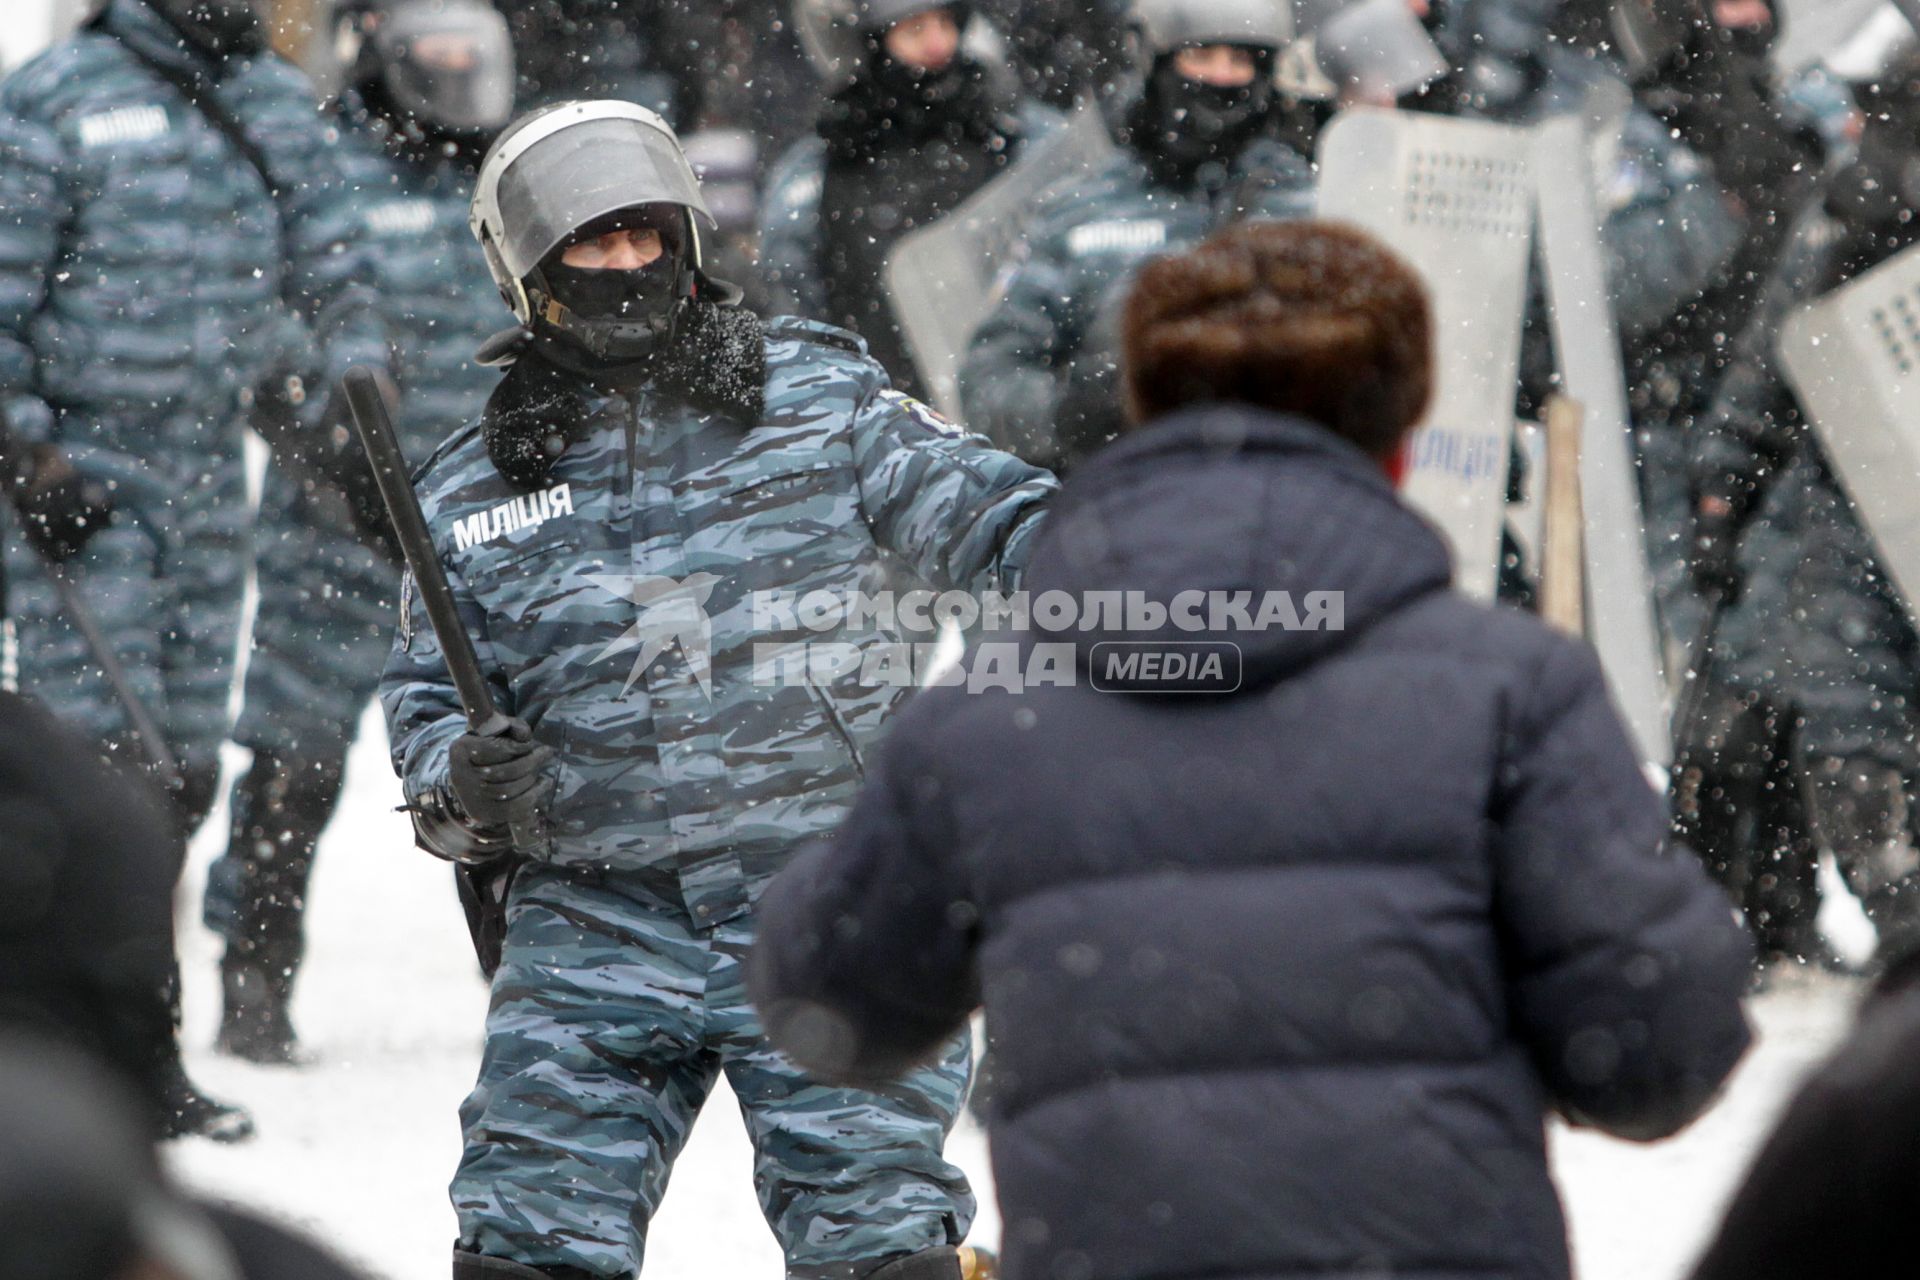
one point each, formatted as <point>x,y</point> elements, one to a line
<point>428,83</point>
<point>1708,73</point>
<point>171,196</point>
<point>1197,129</point>
<point>915,125</point>
<point>1814,633</point>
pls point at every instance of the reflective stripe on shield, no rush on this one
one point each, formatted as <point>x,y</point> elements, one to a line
<point>1452,197</point>
<point>1854,359</point>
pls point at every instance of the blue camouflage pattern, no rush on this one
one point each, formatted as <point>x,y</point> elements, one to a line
<point>147,280</point>
<point>685,781</point>
<point>842,483</point>
<point>612,1017</point>
<point>325,615</point>
<point>1086,236</point>
<point>1666,227</point>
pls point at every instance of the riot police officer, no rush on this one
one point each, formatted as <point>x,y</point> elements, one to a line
<point>171,197</point>
<point>428,84</point>
<point>1708,74</point>
<point>654,473</point>
<point>915,124</point>
<point>1198,149</point>
<point>1814,631</point>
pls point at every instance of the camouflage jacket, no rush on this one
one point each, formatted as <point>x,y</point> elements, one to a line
<point>146,268</point>
<point>1087,236</point>
<point>439,301</point>
<point>628,610</point>
<point>793,234</point>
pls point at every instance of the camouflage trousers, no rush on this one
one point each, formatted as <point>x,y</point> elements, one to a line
<point>321,630</point>
<point>165,582</point>
<point>612,1018</point>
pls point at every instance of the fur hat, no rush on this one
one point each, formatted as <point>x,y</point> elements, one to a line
<point>1312,318</point>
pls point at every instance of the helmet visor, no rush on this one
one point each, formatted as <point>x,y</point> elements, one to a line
<point>452,69</point>
<point>584,172</point>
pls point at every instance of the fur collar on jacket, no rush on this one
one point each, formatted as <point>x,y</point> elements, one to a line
<point>717,365</point>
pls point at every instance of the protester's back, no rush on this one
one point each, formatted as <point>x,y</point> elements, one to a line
<point>1284,972</point>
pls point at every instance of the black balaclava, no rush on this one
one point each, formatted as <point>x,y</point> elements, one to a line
<point>1717,89</point>
<point>218,28</point>
<point>1752,44</point>
<point>415,137</point>
<point>1179,125</point>
<point>891,104</point>
<point>614,321</point>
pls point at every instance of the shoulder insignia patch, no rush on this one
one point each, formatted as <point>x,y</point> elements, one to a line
<point>924,414</point>
<point>123,124</point>
<point>1116,234</point>
<point>400,218</point>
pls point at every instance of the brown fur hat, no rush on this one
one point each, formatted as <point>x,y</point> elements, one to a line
<point>1314,318</point>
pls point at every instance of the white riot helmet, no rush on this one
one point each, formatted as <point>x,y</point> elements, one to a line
<point>565,169</point>
<point>1162,27</point>
<point>837,33</point>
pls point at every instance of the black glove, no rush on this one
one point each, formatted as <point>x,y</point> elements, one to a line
<point>343,464</point>
<point>502,781</point>
<point>1715,562</point>
<point>326,454</point>
<point>59,508</point>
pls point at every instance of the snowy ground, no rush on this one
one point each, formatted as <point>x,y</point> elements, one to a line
<point>358,1147</point>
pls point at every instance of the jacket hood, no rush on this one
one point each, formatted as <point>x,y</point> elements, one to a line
<point>1226,499</point>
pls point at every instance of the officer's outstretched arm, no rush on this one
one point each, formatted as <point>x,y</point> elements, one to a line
<point>960,512</point>
<point>424,716</point>
<point>1013,377</point>
<point>36,205</point>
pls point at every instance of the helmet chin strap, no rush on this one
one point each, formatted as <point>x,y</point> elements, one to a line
<point>607,339</point>
<point>612,340</point>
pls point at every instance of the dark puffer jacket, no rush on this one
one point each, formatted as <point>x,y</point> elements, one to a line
<point>1284,982</point>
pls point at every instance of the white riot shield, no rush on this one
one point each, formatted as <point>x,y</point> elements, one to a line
<point>1454,198</point>
<point>1587,346</point>
<point>940,277</point>
<point>1854,359</point>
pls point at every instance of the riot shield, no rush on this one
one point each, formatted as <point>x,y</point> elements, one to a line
<point>1587,346</point>
<point>1853,357</point>
<point>940,277</point>
<point>1454,198</point>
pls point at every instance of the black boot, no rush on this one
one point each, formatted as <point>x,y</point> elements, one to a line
<point>256,1020</point>
<point>942,1263</point>
<point>474,1266</point>
<point>1859,810</point>
<point>256,897</point>
<point>187,1112</point>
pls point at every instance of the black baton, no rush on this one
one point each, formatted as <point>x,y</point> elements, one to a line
<point>370,419</point>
